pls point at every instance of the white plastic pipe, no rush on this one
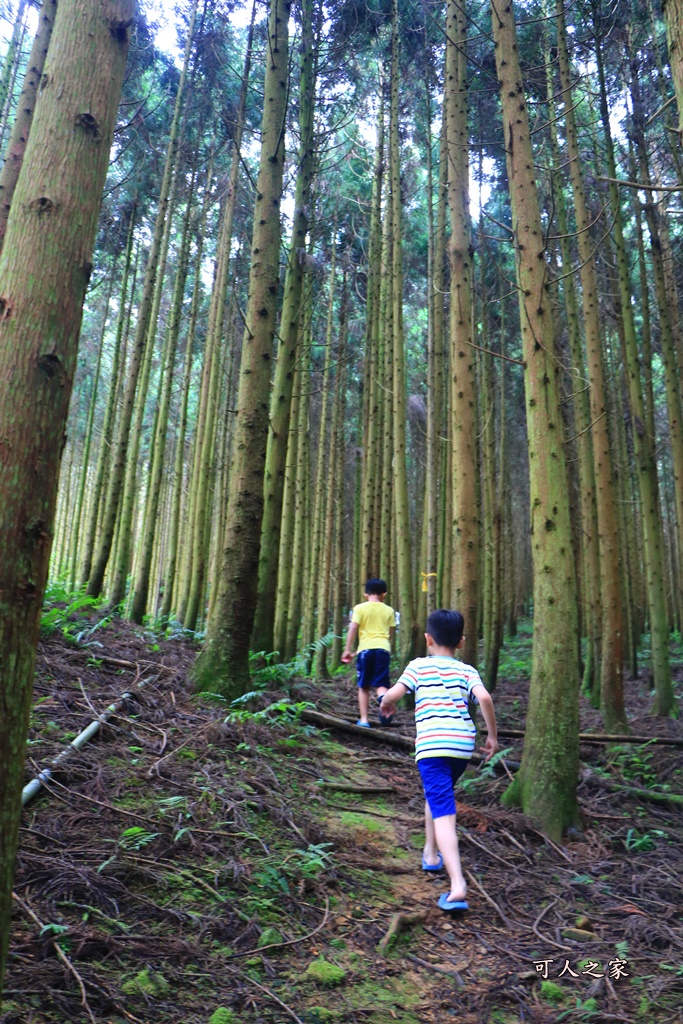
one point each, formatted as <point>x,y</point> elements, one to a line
<point>32,787</point>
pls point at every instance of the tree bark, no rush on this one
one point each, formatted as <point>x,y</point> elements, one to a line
<point>463,415</point>
<point>24,115</point>
<point>611,642</point>
<point>223,664</point>
<point>281,397</point>
<point>44,271</point>
<point>546,784</point>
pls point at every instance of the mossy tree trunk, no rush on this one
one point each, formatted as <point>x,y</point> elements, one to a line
<point>281,397</point>
<point>546,782</point>
<point>223,664</point>
<point>611,638</point>
<point>44,271</point>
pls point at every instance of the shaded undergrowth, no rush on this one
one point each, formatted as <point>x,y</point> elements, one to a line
<point>185,868</point>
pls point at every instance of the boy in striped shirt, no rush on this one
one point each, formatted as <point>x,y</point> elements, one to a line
<point>445,739</point>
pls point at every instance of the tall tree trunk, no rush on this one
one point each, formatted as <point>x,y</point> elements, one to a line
<point>612,650</point>
<point>546,781</point>
<point>673,16</point>
<point>372,395</point>
<point>24,115</point>
<point>643,443</point>
<point>281,396</point>
<point>117,370</point>
<point>85,462</point>
<point>179,461</point>
<point>120,566</point>
<point>665,301</point>
<point>317,524</point>
<point>224,661</point>
<point>116,477</point>
<point>407,634</point>
<point>463,415</point>
<point>158,447</point>
<point>44,271</point>
<point>331,450</point>
<point>589,561</point>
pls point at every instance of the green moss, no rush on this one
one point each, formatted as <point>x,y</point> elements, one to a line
<point>222,1016</point>
<point>512,797</point>
<point>146,983</point>
<point>350,819</point>
<point>268,937</point>
<point>319,1015</point>
<point>552,992</point>
<point>325,973</point>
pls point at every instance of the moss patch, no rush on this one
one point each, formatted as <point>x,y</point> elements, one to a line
<point>552,992</point>
<point>222,1016</point>
<point>325,973</point>
<point>146,983</point>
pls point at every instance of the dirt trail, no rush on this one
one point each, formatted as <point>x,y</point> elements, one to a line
<point>193,871</point>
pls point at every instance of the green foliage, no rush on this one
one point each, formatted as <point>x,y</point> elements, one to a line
<point>282,712</point>
<point>135,838</point>
<point>585,1009</point>
<point>515,654</point>
<point>148,983</point>
<point>62,611</point>
<point>642,843</point>
<point>299,865</point>
<point>635,765</point>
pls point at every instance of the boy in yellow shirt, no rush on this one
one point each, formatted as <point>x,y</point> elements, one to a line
<point>374,623</point>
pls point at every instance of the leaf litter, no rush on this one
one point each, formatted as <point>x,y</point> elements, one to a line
<point>182,868</point>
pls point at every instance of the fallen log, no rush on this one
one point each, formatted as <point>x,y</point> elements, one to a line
<point>392,739</point>
<point>598,737</point>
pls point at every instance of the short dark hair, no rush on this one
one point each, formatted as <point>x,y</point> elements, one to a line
<point>376,586</point>
<point>446,627</point>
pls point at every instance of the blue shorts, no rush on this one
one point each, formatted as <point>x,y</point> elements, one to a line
<point>372,668</point>
<point>439,776</point>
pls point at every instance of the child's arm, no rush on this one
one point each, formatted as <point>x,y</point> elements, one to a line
<point>394,694</point>
<point>486,704</point>
<point>350,640</point>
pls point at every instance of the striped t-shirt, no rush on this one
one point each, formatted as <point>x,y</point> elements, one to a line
<point>441,686</point>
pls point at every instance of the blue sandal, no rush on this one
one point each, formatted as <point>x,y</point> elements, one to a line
<point>452,905</point>
<point>363,725</point>
<point>432,867</point>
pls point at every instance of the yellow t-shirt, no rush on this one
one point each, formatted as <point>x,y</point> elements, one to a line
<point>374,619</point>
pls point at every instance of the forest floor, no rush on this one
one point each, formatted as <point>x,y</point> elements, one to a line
<point>184,869</point>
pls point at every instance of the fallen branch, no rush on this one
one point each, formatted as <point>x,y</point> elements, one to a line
<point>392,739</point>
<point>653,796</point>
<point>290,942</point>
<point>349,787</point>
<point>599,737</point>
<point>60,953</point>
<point>433,967</point>
<point>397,924</point>
<point>491,902</point>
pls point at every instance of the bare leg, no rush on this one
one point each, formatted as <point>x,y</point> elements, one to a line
<point>430,852</point>
<point>363,703</point>
<point>444,836</point>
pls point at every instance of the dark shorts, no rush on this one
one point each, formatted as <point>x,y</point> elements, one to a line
<point>372,668</point>
<point>439,776</point>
